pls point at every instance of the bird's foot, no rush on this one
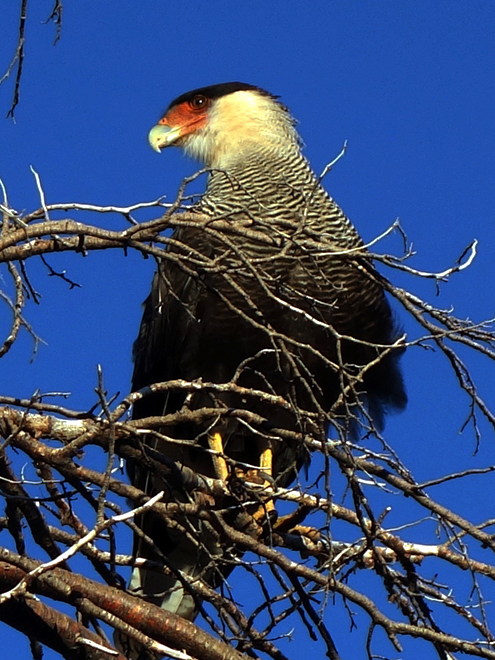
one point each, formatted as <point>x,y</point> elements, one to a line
<point>216,445</point>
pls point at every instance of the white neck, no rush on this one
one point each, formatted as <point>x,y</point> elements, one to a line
<point>240,124</point>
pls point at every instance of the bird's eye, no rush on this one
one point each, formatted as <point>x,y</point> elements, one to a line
<point>198,102</point>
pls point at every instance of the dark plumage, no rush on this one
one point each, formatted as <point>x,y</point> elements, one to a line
<point>273,312</point>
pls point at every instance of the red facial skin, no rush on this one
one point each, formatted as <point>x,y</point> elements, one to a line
<point>190,115</point>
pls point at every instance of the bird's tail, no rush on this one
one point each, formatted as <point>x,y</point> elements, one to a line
<point>170,591</point>
<point>186,562</point>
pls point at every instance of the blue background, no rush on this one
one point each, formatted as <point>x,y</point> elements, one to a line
<point>409,85</point>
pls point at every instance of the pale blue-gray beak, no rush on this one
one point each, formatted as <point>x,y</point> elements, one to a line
<point>162,136</point>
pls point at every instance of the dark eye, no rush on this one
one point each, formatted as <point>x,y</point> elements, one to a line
<point>198,102</point>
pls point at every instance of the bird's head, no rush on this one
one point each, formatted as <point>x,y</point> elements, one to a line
<point>220,125</point>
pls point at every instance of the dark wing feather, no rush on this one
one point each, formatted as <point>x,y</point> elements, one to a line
<point>168,333</point>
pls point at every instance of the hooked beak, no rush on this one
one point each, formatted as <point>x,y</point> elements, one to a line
<point>162,136</point>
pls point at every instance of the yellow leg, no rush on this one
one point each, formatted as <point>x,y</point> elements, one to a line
<point>216,444</point>
<point>266,457</point>
<point>266,465</point>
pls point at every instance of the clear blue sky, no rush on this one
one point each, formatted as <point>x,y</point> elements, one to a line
<point>410,85</point>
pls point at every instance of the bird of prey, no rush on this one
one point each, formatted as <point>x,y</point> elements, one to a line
<point>271,290</point>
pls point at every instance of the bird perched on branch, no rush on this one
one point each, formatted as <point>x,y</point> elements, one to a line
<point>264,299</point>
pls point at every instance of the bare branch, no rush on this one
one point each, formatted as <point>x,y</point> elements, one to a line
<point>333,528</point>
